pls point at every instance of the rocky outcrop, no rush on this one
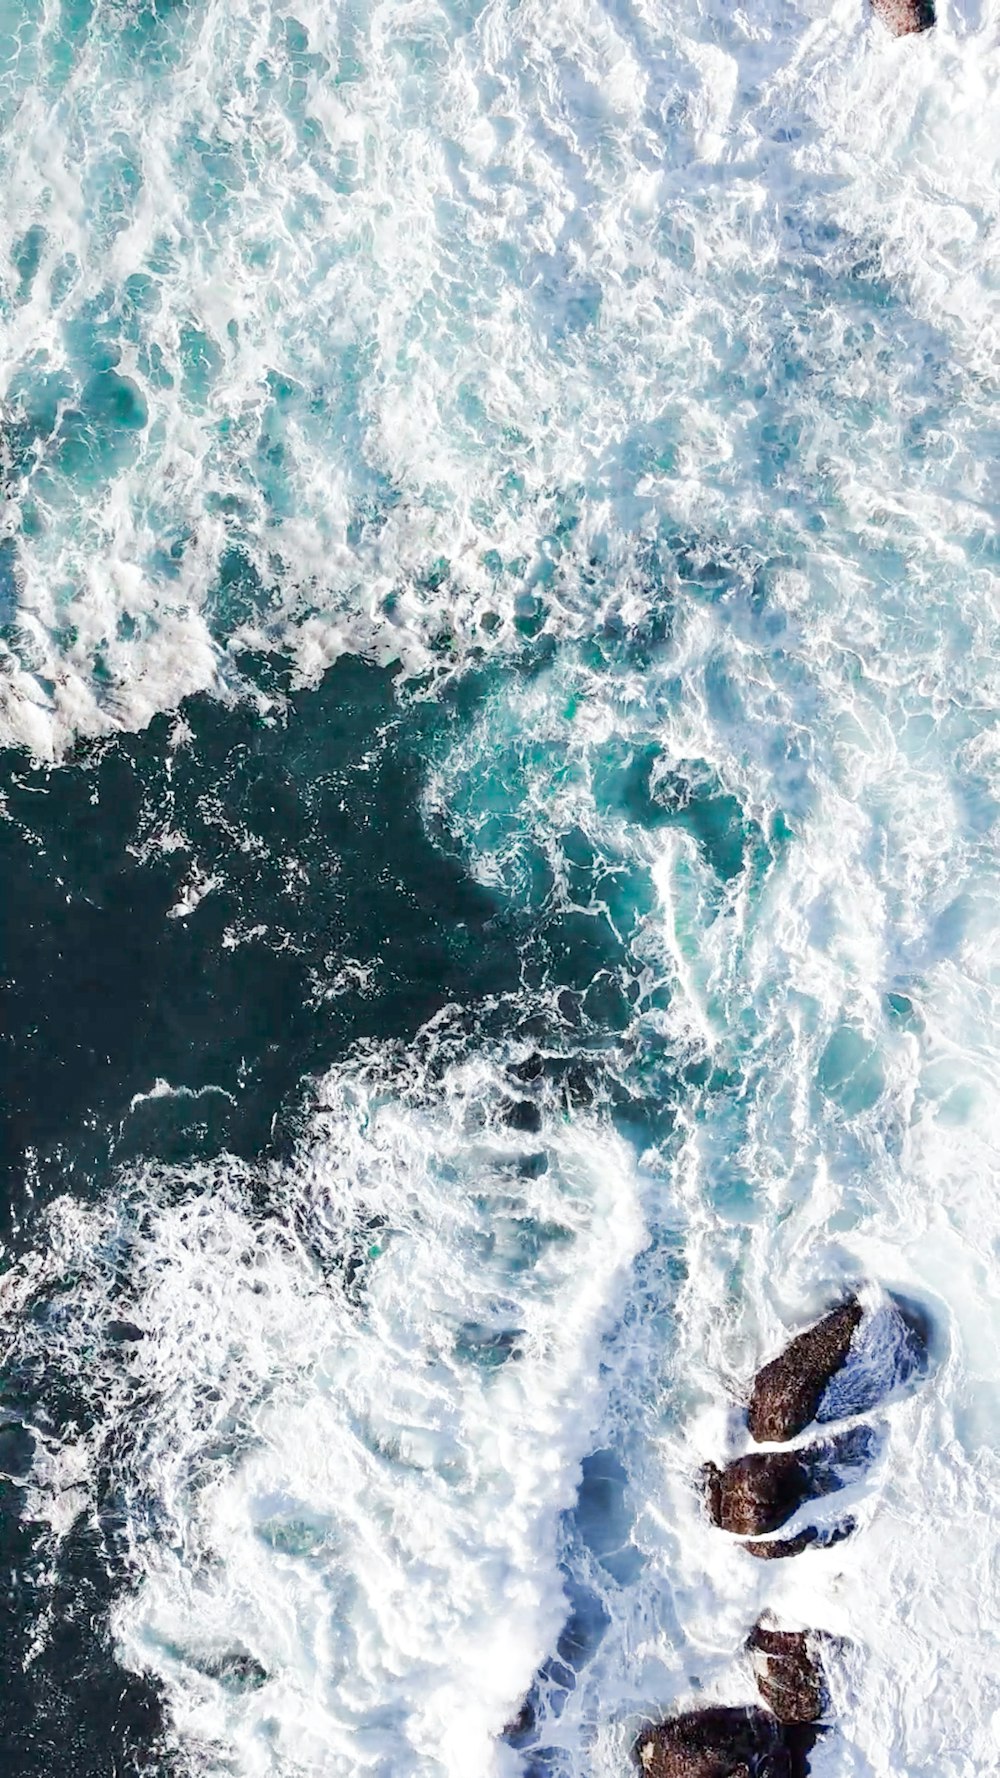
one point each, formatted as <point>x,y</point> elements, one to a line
<point>840,1367</point>
<point>903,17</point>
<point>789,1676</point>
<point>773,1549</point>
<point>787,1392</point>
<point>719,1742</point>
<point>758,1493</point>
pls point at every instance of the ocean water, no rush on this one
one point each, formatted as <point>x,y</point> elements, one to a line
<point>501,722</point>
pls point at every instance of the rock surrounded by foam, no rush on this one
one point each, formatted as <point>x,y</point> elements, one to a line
<point>905,17</point>
<point>719,1742</point>
<point>786,1392</point>
<point>757,1493</point>
<point>789,1676</point>
<point>760,1492</point>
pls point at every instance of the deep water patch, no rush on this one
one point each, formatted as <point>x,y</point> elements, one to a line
<point>221,906</point>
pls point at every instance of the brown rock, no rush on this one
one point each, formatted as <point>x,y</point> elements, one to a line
<point>719,1742</point>
<point>757,1493</point>
<point>902,17</point>
<point>789,1677</point>
<point>786,1393</point>
<point>772,1549</point>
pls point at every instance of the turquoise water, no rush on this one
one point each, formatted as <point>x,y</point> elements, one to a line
<point>498,629</point>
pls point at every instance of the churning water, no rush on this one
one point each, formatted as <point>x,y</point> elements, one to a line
<point>498,662</point>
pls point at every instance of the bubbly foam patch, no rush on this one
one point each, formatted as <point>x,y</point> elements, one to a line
<point>344,1432</point>
<point>407,333</point>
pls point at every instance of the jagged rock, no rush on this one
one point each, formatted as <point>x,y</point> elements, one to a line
<point>772,1549</point>
<point>902,17</point>
<point>786,1393</point>
<point>719,1742</point>
<point>789,1677</point>
<point>758,1493</point>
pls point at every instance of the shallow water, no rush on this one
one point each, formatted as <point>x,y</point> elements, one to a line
<point>498,621</point>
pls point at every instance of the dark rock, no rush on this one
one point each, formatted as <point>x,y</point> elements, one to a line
<point>521,1727</point>
<point>800,1739</point>
<point>236,1670</point>
<point>772,1549</point>
<point>903,17</point>
<point>786,1393</point>
<point>719,1742</point>
<point>532,1068</point>
<point>521,1114</point>
<point>789,1677</point>
<point>757,1493</point>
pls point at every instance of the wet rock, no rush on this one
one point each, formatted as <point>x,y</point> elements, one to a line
<point>521,1114</point>
<point>903,17</point>
<point>758,1493</point>
<point>789,1676</point>
<point>531,1068</point>
<point>800,1739</point>
<point>521,1728</point>
<point>773,1549</point>
<point>236,1669</point>
<point>787,1392</point>
<point>719,1742</point>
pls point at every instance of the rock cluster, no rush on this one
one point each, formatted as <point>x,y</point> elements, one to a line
<point>754,1495</point>
<point>773,1549</point>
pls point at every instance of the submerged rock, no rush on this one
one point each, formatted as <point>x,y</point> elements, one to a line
<point>757,1493</point>
<point>236,1669</point>
<point>786,1393</point>
<point>521,1728</point>
<point>719,1742</point>
<point>772,1549</point>
<point>903,17</point>
<point>789,1677</point>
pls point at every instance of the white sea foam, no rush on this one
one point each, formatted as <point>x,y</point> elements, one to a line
<point>861,1143</point>
<point>430,310</point>
<point>357,1493</point>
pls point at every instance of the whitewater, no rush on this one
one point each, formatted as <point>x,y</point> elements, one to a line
<point>501,721</point>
